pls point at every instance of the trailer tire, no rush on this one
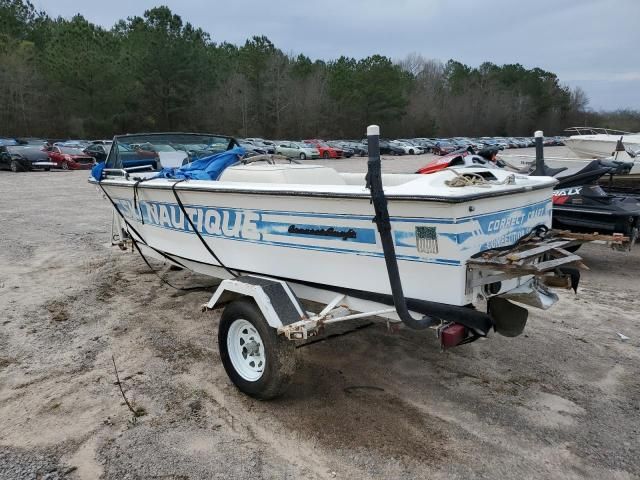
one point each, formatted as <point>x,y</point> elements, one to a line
<point>264,372</point>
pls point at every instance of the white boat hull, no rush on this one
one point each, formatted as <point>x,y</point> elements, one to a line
<point>578,163</point>
<point>331,241</point>
<point>599,146</point>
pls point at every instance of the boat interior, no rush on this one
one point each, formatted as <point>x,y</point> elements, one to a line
<point>295,175</point>
<point>220,158</point>
<point>304,174</point>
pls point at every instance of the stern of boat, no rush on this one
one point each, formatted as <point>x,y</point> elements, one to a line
<point>524,274</point>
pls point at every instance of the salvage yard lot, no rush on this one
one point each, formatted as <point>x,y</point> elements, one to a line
<point>560,401</point>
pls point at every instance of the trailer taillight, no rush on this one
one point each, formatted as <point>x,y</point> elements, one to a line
<point>452,335</point>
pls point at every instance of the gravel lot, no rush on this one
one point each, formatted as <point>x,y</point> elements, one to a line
<point>561,401</point>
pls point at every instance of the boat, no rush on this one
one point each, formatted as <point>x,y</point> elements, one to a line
<point>428,251</point>
<point>624,177</point>
<point>594,142</point>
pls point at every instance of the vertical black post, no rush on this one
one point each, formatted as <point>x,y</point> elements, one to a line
<point>374,183</point>
<point>373,142</point>
<point>383,223</point>
<point>539,153</point>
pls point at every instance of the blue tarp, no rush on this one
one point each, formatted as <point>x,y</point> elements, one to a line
<point>96,170</point>
<point>207,168</point>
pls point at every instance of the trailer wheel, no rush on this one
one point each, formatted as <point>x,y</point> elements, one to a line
<point>257,360</point>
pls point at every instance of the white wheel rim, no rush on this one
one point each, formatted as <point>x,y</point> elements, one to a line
<point>246,350</point>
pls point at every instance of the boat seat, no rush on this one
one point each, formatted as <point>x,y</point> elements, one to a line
<point>592,166</point>
<point>294,173</point>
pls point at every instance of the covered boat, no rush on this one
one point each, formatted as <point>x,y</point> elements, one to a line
<point>420,243</point>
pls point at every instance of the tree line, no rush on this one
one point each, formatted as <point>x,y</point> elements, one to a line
<point>64,77</point>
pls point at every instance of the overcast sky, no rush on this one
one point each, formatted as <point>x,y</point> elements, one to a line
<point>591,43</point>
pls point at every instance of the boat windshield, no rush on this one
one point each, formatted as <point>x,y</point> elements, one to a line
<point>595,131</point>
<point>148,149</point>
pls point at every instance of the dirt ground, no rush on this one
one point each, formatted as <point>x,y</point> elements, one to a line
<point>561,401</point>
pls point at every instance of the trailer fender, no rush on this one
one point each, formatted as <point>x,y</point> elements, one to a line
<point>276,300</point>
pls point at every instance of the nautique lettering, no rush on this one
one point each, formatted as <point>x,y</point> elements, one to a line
<point>208,221</point>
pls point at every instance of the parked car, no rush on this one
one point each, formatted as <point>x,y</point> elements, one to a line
<point>38,142</point>
<point>347,151</point>
<point>358,149</point>
<point>297,150</point>
<point>260,140</point>
<point>265,145</point>
<point>493,143</point>
<point>501,143</point>
<point>426,144</point>
<point>73,144</point>
<point>409,149</point>
<point>252,149</point>
<point>132,157</point>
<point>444,148</point>
<point>98,151</point>
<point>68,158</point>
<point>325,150</point>
<point>388,148</point>
<point>23,158</point>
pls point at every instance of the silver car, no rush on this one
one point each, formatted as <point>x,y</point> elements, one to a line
<point>297,150</point>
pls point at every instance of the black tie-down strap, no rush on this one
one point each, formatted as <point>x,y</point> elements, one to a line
<point>198,234</point>
<point>136,203</point>
<point>135,242</point>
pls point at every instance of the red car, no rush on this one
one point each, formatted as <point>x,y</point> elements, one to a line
<point>326,151</point>
<point>444,148</point>
<point>68,158</point>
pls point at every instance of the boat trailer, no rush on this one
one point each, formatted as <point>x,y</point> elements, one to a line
<point>542,261</point>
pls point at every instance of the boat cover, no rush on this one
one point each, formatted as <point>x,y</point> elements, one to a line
<point>206,168</point>
<point>97,169</point>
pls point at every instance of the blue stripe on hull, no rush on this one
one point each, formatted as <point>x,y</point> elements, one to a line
<point>484,231</point>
